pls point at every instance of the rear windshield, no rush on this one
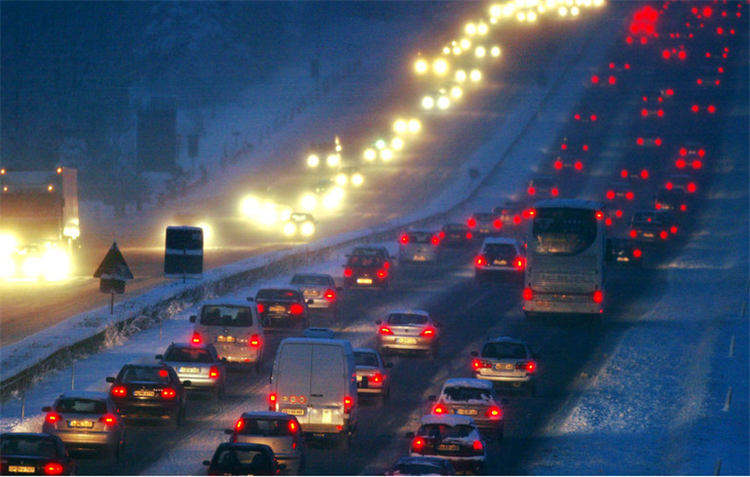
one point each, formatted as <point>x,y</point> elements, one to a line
<point>27,445</point>
<point>266,427</point>
<point>278,295</point>
<point>223,315</point>
<point>365,359</point>
<point>484,217</point>
<point>188,355</point>
<point>466,394</point>
<point>420,237</point>
<point>365,261</point>
<point>310,280</point>
<point>149,375</point>
<point>442,431</point>
<point>81,406</point>
<point>368,252</point>
<point>455,228</point>
<point>504,351</point>
<point>249,461</point>
<point>563,231</point>
<point>407,319</point>
<point>648,219</point>
<point>499,251</point>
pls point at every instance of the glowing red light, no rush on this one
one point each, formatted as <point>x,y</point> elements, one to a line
<point>629,195</point>
<point>598,296</point>
<point>404,238</point>
<point>196,339</point>
<point>608,222</point>
<point>644,174</point>
<point>663,235</point>
<point>666,54</point>
<point>558,164</point>
<point>657,141</point>
<point>497,223</point>
<point>347,273</point>
<point>697,164</point>
<point>669,186</point>
<point>618,213</point>
<point>673,229</point>
<point>163,373</point>
<point>296,309</point>
<point>691,187</point>
<point>532,191</point>
<point>633,234</point>
<point>610,194</point>
<point>595,79</point>
<point>639,141</point>
<point>612,80</point>
<point>528,294</point>
<point>554,192</point>
<point>682,55</point>
<point>471,222</point>
<point>578,166</point>
<point>711,109</point>
<point>637,253</point>
<point>53,468</point>
<point>624,173</point>
<point>168,393</point>
<point>680,163</point>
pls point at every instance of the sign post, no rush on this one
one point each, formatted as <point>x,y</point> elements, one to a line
<point>113,272</point>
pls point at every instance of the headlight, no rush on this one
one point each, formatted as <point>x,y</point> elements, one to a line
<point>460,76</point>
<point>456,92</point>
<point>440,67</point>
<point>32,266</point>
<point>290,229</point>
<point>308,228</point>
<point>480,51</point>
<point>333,198</point>
<point>414,126</point>
<point>250,207</point>
<point>208,232</point>
<point>420,67</point>
<point>465,43</point>
<point>341,179</point>
<point>56,265</point>
<point>386,155</point>
<point>333,160</point>
<point>397,143</point>
<point>8,244</point>
<point>313,160</point>
<point>7,266</point>
<point>443,102</point>
<point>482,28</point>
<point>400,126</point>
<point>428,102</point>
<point>470,29</point>
<point>267,215</point>
<point>370,154</point>
<point>308,202</point>
<point>475,76</point>
<point>531,16</point>
<point>495,51</point>
<point>357,180</point>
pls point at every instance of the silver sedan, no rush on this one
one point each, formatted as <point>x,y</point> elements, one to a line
<point>408,330</point>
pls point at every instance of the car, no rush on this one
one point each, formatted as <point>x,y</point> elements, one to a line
<point>511,212</point>
<point>681,183</point>
<point>419,246</point>
<point>571,156</point>
<point>326,153</point>
<point>86,420</point>
<point>149,391</point>
<point>320,288</point>
<point>484,224</point>
<point>649,138</point>
<point>691,155</point>
<point>499,257</point>
<point>472,397</point>
<point>420,465</point>
<point>408,331</point>
<point>451,437</point>
<point>372,374</point>
<point>234,328</point>
<point>235,458</point>
<point>349,176</point>
<point>620,191</point>
<point>623,251</point>
<point>318,332</point>
<point>543,187</point>
<point>506,361</point>
<point>672,200</point>
<point>652,226</point>
<point>28,453</point>
<point>368,267</point>
<point>198,363</point>
<point>300,224</point>
<point>283,307</point>
<point>455,235</point>
<point>279,431</point>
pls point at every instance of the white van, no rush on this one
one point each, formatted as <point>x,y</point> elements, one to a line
<point>314,379</point>
<point>233,327</point>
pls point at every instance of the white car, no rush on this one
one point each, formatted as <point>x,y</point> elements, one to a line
<point>419,246</point>
<point>475,398</point>
<point>499,257</point>
<point>320,288</point>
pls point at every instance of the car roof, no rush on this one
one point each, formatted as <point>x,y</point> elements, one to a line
<point>184,344</point>
<point>310,274</point>
<point>84,395</point>
<point>447,419</point>
<point>246,445</point>
<point>365,350</point>
<point>500,240</point>
<point>568,203</point>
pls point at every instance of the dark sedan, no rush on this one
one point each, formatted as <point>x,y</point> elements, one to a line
<point>25,453</point>
<point>149,391</point>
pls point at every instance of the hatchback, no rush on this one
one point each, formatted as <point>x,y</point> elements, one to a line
<point>451,437</point>
<point>243,459</point>
<point>408,330</point>
<point>278,430</point>
<point>419,246</point>
<point>475,398</point>
<point>198,363</point>
<point>26,453</point>
<point>372,374</point>
<point>506,360</point>
<point>499,257</point>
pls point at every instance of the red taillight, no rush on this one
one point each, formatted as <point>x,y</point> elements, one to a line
<point>680,163</point>
<point>633,234</point>
<point>108,419</point>
<point>441,235</point>
<point>52,418</point>
<point>168,393</point>
<point>644,174</point>
<point>213,373</point>
<point>644,112</point>
<point>497,223</point>
<point>438,409</point>
<point>376,378</point>
<point>629,195</point>
<point>532,191</point>
<point>197,338</point>
<point>348,404</point>
<point>478,446</point>
<point>637,253</point>
<point>610,194</point>
<point>673,229</point>
<point>624,173</point>
<point>330,295</point>
<point>697,164</point>
<point>479,364</point>
<point>469,236</point>
<point>471,222</point>
<point>668,186</point>
<point>595,79</point>
<point>386,265</point>
<point>262,307</point>
<point>347,273</point>
<point>657,141</point>
<point>691,187</point>
<point>663,235</point>
<point>683,207</point>
<point>404,238</point>
<point>517,219</point>
<point>558,165</point>
<point>53,468</point>
<point>554,192</point>
<point>494,412</point>
<point>520,263</point>
<point>384,330</point>
<point>528,294</point>
<point>239,425</point>
<point>163,373</point>
<point>639,141</point>
<point>292,426</point>
<point>578,166</point>
<point>382,273</point>
<point>530,367</point>
<point>296,309</point>
<point>435,240</point>
<point>272,402</point>
<point>683,152</point>
<point>428,332</point>
<point>608,222</point>
<point>119,391</point>
<point>711,109</point>
<point>417,445</point>
<point>598,296</point>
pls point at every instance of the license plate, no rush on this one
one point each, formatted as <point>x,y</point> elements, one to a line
<point>507,367</point>
<point>364,281</point>
<point>21,469</point>
<point>294,412</point>
<point>467,412</point>
<point>419,258</point>
<point>448,447</point>
<point>406,340</point>
<point>277,309</point>
<point>484,231</point>
<point>648,235</point>
<point>500,262</point>
<point>189,370</point>
<point>226,339</point>
<point>623,259</point>
<point>84,424</point>
<point>144,393</point>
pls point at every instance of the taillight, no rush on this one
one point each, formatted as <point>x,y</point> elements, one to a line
<point>528,294</point>
<point>532,191</point>
<point>347,272</point>
<point>633,234</point>
<point>428,332</point>
<point>598,296</point>
<point>168,393</point>
<point>376,378</point>
<point>517,219</point>
<point>441,234</point>
<point>108,419</point>
<point>668,186</point>
<point>404,239</point>
<point>479,364</point>
<point>119,391</point>
<point>382,273</point>
<point>599,215</point>
<point>52,418</point>
<point>471,222</point>
<point>255,341</point>
<point>697,164</point>
<point>163,373</point>
<point>578,166</point>
<point>384,330</point>
<point>629,195</point>
<point>292,426</point>
<point>262,307</point>
<point>53,468</point>
<point>435,240</point>
<point>680,163</point>
<point>417,445</point>
<point>196,339</point>
<point>554,192</point>
<point>478,446</point>
<point>520,263</point>
<point>239,425</point>
<point>691,187</point>
<point>272,402</point>
<point>497,223</point>
<point>558,165</point>
<point>663,235</point>
<point>213,373</point>
<point>637,253</point>
<point>330,295</point>
<point>348,404</point>
<point>528,366</point>
<point>673,229</point>
<point>494,412</point>
<point>386,265</point>
<point>468,236</point>
<point>610,194</point>
<point>438,409</point>
<point>296,309</point>
<point>480,261</point>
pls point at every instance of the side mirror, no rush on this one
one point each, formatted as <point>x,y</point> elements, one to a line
<point>110,379</point>
<point>206,462</point>
<point>47,409</point>
<point>410,435</point>
<point>187,383</point>
<point>388,365</point>
<point>474,353</point>
<point>378,322</point>
<point>159,356</point>
<point>432,398</point>
<point>192,318</point>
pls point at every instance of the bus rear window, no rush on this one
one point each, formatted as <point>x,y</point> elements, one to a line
<point>563,231</point>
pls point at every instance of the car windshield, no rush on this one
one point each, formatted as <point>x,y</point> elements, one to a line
<point>504,351</point>
<point>407,319</point>
<point>266,427</point>
<point>420,237</point>
<point>365,261</point>
<point>189,355</point>
<point>252,461</point>
<point>28,445</point>
<point>499,251</point>
<point>365,359</point>
<point>444,431</point>
<point>461,393</point>
<point>310,280</point>
<point>149,375</point>
<point>224,315</point>
<point>272,294</point>
<point>81,406</point>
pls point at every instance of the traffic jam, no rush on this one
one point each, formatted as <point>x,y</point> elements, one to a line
<point>433,352</point>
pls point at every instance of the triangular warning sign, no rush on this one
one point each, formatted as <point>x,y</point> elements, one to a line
<point>113,266</point>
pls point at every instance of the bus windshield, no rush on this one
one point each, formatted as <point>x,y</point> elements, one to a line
<point>563,231</point>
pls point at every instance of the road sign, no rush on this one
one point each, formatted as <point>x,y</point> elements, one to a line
<point>113,272</point>
<point>183,252</point>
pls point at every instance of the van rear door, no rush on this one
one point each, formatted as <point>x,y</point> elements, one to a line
<point>328,385</point>
<point>293,385</point>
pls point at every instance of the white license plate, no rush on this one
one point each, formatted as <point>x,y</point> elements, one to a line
<point>467,412</point>
<point>277,309</point>
<point>144,393</point>
<point>500,262</point>
<point>83,424</point>
<point>648,235</point>
<point>505,367</point>
<point>189,370</point>
<point>226,339</point>
<point>406,340</point>
<point>294,412</point>
<point>419,258</point>
<point>364,281</point>
<point>623,259</point>
<point>21,469</point>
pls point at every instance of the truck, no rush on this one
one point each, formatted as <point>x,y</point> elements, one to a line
<point>39,223</point>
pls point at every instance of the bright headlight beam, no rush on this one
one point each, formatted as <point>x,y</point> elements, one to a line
<point>420,66</point>
<point>440,67</point>
<point>414,126</point>
<point>428,102</point>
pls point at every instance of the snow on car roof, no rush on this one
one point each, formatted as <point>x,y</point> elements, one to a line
<point>468,383</point>
<point>409,312</point>
<point>447,419</point>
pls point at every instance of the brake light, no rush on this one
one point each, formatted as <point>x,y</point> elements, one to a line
<point>657,206</point>
<point>520,263</point>
<point>239,425</point>
<point>404,238</point>
<point>599,215</point>
<point>384,330</point>
<point>471,222</point>
<point>629,195</point>
<point>633,234</point>
<point>637,253</point>
<point>435,240</point>
<point>168,393</point>
<point>292,426</point>
<point>668,186</point>
<point>272,402</point>
<point>382,273</point>
<point>517,219</point>
<point>673,229</point>
<point>554,192</point>
<point>196,339</point>
<point>608,222</point>
<point>348,404</point>
<point>494,411</point>
<point>477,363</point>
<point>595,79</point>
<point>680,163</point>
<point>417,445</point>
<point>478,446</point>
<point>598,296</point>
<point>213,373</point>
<point>657,141</point>
<point>428,332</point>
<point>262,307</point>
<point>376,378</point>
<point>386,265</point>
<point>438,409</point>
<point>532,191</point>
<point>558,165</point>
<point>697,164</point>
<point>52,417</point>
<point>296,309</point>
<point>108,419</point>
<point>644,174</point>
<point>564,146</point>
<point>691,187</point>
<point>330,295</point>
<point>610,194</point>
<point>53,468</point>
<point>683,152</point>
<point>469,236</point>
<point>644,112</point>
<point>528,294</point>
<point>663,235</point>
<point>578,166</point>
<point>163,373</point>
<point>683,207</point>
<point>639,141</point>
<point>347,273</point>
<point>530,367</point>
<point>119,391</point>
